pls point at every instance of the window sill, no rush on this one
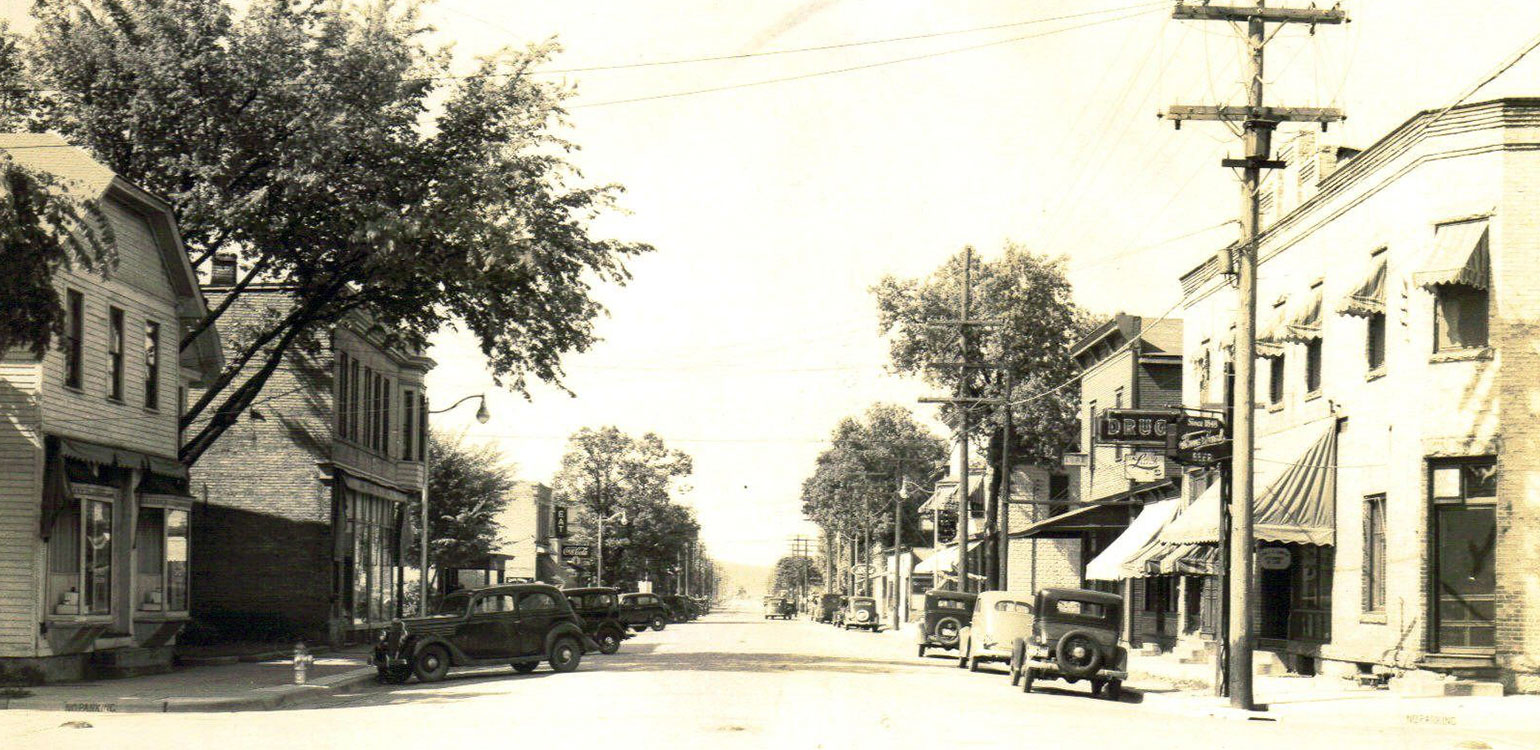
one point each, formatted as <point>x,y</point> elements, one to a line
<point>1313,395</point>
<point>1374,374</point>
<point>157,616</point>
<point>1275,408</point>
<point>75,389</point>
<point>1473,354</point>
<point>115,400</point>
<point>77,620</point>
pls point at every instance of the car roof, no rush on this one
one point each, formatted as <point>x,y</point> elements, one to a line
<point>1084,595</point>
<point>635,594</point>
<point>509,588</point>
<point>862,599</point>
<point>946,594</point>
<point>990,597</point>
<point>589,590</point>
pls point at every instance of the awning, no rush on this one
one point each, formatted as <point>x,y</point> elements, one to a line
<point>945,495</point>
<point>945,561</point>
<point>360,484</point>
<point>1198,523</point>
<point>104,455</point>
<point>1300,506</point>
<point>1459,256</point>
<point>1091,518</point>
<point>1299,321</point>
<point>1108,566</point>
<point>1368,297</point>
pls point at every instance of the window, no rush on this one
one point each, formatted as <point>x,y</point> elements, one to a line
<point>353,400</point>
<point>408,423</point>
<point>1374,345</point>
<point>1275,380</point>
<point>80,554</point>
<point>537,601</point>
<point>115,354</point>
<point>367,438</point>
<point>1072,607</point>
<point>151,365</point>
<point>1313,365</point>
<point>385,415</point>
<point>1016,607</point>
<point>1459,317</point>
<point>342,394</point>
<point>74,331</point>
<point>422,426</point>
<point>493,603</point>
<point>1374,553</point>
<point>161,538</point>
<point>1160,594</point>
<point>371,523</point>
<point>223,273</point>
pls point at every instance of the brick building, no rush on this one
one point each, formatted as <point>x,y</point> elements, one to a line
<point>1399,311</point>
<point>94,504</point>
<point>527,548</point>
<point>308,497</point>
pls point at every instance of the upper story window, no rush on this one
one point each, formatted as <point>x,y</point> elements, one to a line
<point>1374,343</point>
<point>1313,353</point>
<point>1458,273</point>
<point>115,354</point>
<point>408,423</point>
<point>1275,379</point>
<point>74,334</point>
<point>151,365</point>
<point>223,272</point>
<point>1460,317</point>
<point>343,360</point>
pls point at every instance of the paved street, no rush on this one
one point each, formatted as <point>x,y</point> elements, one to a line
<point>731,679</point>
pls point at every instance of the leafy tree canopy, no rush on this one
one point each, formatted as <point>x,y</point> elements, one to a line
<point>469,485</point>
<point>1031,296</point>
<point>856,479</point>
<point>789,570</point>
<point>329,145</point>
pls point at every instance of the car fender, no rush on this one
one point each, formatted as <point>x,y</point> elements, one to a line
<point>415,644</point>
<point>565,629</point>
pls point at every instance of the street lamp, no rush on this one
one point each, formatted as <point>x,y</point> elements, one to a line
<point>482,415</point>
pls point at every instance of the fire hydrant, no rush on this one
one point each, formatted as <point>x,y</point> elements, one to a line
<point>302,661</point>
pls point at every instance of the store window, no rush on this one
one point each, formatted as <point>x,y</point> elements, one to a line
<point>80,554</point>
<point>371,527</point>
<point>161,538</point>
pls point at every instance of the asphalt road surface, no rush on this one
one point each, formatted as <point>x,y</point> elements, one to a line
<point>732,679</point>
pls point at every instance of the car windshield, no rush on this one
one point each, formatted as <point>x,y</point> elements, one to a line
<point>453,604</point>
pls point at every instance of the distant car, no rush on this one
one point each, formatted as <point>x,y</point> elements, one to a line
<point>642,611</point>
<point>1074,637</point>
<point>828,605</point>
<point>946,614</point>
<point>519,624</point>
<point>861,612</point>
<point>999,619</point>
<point>600,610</point>
<point>779,607</point>
<point>682,609</point>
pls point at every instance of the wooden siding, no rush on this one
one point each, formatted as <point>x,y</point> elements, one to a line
<point>20,494</point>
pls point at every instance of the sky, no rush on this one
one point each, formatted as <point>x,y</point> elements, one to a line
<point>775,207</point>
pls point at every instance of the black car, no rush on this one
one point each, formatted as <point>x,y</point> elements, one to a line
<point>599,608</point>
<point>1074,637</point>
<point>946,614</point>
<point>681,607</point>
<point>642,611</point>
<point>517,624</point>
<point>828,606</point>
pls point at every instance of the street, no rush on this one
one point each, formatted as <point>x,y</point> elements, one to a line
<point>731,679</point>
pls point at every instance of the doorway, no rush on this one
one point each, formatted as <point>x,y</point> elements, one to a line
<point>1464,539</point>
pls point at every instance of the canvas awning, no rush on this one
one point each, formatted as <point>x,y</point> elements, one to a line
<point>945,561</point>
<point>1072,524</point>
<point>945,495</point>
<point>123,458</point>
<point>1299,321</point>
<point>1198,523</point>
<point>1459,256</point>
<point>1368,297</point>
<point>1108,566</point>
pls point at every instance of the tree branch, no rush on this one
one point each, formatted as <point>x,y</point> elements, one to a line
<point>230,297</point>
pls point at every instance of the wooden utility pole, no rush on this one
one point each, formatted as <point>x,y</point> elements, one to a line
<point>1259,122</point>
<point>964,402</point>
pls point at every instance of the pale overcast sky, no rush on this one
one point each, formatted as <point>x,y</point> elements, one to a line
<point>750,332</point>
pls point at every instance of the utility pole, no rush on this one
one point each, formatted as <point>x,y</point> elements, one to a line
<point>964,402</point>
<point>1003,496</point>
<point>1259,122</point>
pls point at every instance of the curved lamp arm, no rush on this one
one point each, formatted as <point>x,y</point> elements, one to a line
<point>482,415</point>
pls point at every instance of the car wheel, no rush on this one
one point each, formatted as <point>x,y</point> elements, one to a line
<point>1078,654</point>
<point>609,642</point>
<point>1114,690</point>
<point>431,664</point>
<point>948,629</point>
<point>525,667</point>
<point>1027,676</point>
<point>565,654</point>
<point>658,623</point>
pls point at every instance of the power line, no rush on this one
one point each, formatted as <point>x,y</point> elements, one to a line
<point>854,68</point>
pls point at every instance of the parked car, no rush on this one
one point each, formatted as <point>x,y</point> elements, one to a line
<point>779,606</point>
<point>861,612</point>
<point>682,609</point>
<point>599,609</point>
<point>828,606</point>
<point>642,611</point>
<point>1074,637</point>
<point>946,614</point>
<point>999,619</point>
<point>518,624</point>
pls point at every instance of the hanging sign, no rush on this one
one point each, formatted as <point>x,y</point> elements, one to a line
<point>1148,427</point>
<point>559,522</point>
<point>1274,558</point>
<point>1144,467</point>
<point>574,550</point>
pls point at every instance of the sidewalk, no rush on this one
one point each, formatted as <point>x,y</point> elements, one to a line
<point>1186,689</point>
<point>220,686</point>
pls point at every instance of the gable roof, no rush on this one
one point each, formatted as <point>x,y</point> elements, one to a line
<point>88,179</point>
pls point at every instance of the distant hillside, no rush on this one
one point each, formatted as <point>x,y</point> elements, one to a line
<point>752,578</point>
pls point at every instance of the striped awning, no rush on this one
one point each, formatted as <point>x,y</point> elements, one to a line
<point>945,495</point>
<point>1301,504</point>
<point>1112,563</point>
<point>1368,297</point>
<point>1299,321</point>
<point>1459,256</point>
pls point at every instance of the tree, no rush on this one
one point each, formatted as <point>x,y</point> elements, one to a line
<point>792,570</point>
<point>1041,323</point>
<point>605,471</point>
<point>468,486</point>
<point>858,476</point>
<point>329,145</point>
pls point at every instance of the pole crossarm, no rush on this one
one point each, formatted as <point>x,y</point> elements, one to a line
<point>1184,12</point>
<point>1264,116</point>
<point>961,400</point>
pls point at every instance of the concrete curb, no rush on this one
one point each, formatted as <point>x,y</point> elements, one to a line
<point>260,699</point>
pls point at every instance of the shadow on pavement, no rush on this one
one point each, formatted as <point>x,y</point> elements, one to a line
<point>704,661</point>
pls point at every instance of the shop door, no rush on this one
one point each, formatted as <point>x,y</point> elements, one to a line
<point>1464,538</point>
<point>1277,596</point>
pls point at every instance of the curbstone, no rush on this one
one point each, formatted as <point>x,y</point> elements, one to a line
<point>259,699</point>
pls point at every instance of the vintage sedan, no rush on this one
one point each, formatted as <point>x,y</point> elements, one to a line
<point>946,614</point>
<point>1074,637</point>
<point>828,606</point>
<point>641,611</point>
<point>779,607</point>
<point>519,624</point>
<point>599,608</point>
<point>861,612</point>
<point>999,619</point>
